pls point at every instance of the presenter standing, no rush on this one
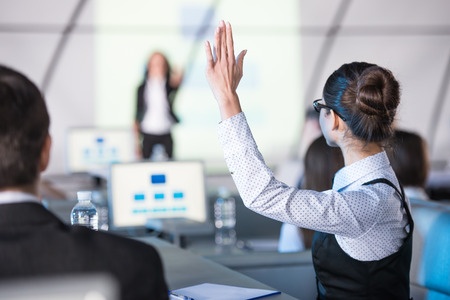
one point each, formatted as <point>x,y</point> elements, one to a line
<point>155,115</point>
<point>362,248</point>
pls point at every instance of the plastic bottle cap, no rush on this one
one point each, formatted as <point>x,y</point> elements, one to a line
<point>223,192</point>
<point>84,195</point>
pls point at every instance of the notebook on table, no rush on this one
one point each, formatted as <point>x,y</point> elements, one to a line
<point>206,291</point>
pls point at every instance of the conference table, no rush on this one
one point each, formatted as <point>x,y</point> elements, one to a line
<point>184,268</point>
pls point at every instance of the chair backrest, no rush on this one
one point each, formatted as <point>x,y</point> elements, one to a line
<point>430,267</point>
<point>67,287</point>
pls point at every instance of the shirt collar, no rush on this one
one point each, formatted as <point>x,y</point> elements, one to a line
<point>156,82</point>
<point>359,170</point>
<point>8,197</point>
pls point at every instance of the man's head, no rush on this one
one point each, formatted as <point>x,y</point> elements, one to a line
<point>24,131</point>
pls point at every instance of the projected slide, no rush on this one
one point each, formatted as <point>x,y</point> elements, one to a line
<point>270,91</point>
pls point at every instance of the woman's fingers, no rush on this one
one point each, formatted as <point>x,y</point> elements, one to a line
<point>223,47</point>
<point>217,42</point>
<point>240,61</point>
<point>209,55</point>
<point>229,42</point>
<point>223,41</point>
<point>224,70</point>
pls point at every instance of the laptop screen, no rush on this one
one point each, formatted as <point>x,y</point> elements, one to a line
<point>91,149</point>
<point>156,190</point>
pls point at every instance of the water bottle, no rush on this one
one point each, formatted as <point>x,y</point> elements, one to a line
<point>159,153</point>
<point>225,218</point>
<point>84,212</point>
<point>100,202</point>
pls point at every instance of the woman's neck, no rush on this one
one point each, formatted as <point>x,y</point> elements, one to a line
<point>359,150</point>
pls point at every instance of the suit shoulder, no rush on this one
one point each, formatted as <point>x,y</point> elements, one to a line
<point>127,242</point>
<point>111,242</point>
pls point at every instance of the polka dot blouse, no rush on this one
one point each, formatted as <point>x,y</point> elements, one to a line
<point>369,222</point>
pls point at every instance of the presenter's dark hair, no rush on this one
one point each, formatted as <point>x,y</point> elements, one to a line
<point>166,62</point>
<point>24,125</point>
<point>367,96</point>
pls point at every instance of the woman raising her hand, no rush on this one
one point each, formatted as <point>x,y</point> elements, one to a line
<point>362,248</point>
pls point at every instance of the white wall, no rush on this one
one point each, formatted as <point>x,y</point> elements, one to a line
<point>29,34</point>
<point>410,37</point>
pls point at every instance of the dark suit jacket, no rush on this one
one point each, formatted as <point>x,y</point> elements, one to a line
<point>35,242</point>
<point>142,108</point>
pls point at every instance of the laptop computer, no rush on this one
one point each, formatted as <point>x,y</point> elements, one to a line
<point>166,196</point>
<point>92,149</point>
<point>68,287</point>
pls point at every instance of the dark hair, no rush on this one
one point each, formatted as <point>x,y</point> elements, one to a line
<point>367,96</point>
<point>24,124</point>
<point>321,163</point>
<point>168,67</point>
<point>408,155</point>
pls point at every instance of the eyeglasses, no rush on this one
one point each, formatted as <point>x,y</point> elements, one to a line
<point>318,106</point>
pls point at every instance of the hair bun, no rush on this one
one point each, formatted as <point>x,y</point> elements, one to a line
<point>378,93</point>
<point>367,95</point>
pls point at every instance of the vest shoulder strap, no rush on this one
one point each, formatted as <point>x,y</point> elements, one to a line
<point>401,192</point>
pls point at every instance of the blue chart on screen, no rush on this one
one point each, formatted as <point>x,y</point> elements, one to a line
<point>161,197</point>
<point>158,178</point>
<point>146,190</point>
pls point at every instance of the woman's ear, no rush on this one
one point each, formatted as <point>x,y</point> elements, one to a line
<point>335,118</point>
<point>338,124</point>
<point>45,153</point>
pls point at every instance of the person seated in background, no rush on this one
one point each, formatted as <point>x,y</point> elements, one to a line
<point>321,162</point>
<point>409,158</point>
<point>291,170</point>
<point>310,133</point>
<point>33,241</point>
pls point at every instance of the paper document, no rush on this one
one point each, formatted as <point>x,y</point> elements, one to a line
<point>206,291</point>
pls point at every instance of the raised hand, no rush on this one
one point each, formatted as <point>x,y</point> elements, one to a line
<point>224,71</point>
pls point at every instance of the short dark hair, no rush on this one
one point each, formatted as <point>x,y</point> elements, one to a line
<point>24,125</point>
<point>367,96</point>
<point>408,155</point>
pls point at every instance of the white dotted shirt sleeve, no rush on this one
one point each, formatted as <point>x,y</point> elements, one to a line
<point>349,213</point>
<point>262,193</point>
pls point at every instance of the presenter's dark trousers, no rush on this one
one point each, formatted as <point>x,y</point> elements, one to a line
<point>150,140</point>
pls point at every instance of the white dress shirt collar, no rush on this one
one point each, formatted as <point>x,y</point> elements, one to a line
<point>360,169</point>
<point>8,197</point>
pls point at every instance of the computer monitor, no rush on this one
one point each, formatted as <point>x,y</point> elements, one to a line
<point>93,149</point>
<point>146,190</point>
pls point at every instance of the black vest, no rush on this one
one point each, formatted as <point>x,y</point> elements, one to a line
<point>340,276</point>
